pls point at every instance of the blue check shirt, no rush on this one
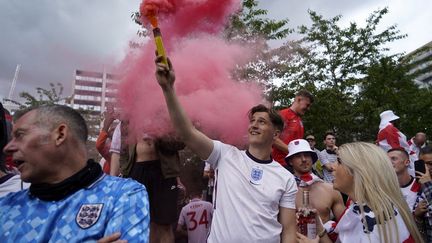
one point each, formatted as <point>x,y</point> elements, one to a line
<point>109,205</point>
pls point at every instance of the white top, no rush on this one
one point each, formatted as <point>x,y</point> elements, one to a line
<point>116,140</point>
<point>247,196</point>
<point>413,197</point>
<point>351,228</point>
<point>410,193</point>
<point>13,184</point>
<point>197,216</point>
<point>208,167</point>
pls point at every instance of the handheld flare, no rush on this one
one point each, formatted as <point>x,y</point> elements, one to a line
<point>159,44</point>
<point>150,13</point>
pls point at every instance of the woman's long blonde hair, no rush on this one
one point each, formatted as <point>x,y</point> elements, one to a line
<point>376,185</point>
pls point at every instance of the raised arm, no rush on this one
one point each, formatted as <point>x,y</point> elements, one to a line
<point>115,151</point>
<point>199,143</point>
<point>279,144</point>
<point>104,134</point>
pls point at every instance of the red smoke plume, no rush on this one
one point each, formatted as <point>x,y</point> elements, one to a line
<point>203,63</point>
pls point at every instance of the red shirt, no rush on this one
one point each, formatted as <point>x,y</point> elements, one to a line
<point>390,137</point>
<point>293,129</point>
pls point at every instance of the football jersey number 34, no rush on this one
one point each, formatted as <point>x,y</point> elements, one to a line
<point>194,224</point>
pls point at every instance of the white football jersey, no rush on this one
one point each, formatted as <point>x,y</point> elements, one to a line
<point>247,196</point>
<point>197,216</point>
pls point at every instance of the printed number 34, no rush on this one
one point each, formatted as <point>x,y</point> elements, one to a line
<point>203,220</point>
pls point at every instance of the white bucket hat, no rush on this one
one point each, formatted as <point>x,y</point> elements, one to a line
<point>387,116</point>
<point>300,146</point>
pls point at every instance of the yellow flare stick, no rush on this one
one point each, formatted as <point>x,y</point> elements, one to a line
<point>159,45</point>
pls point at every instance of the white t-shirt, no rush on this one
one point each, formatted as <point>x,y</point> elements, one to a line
<point>413,197</point>
<point>247,196</point>
<point>197,216</point>
<point>410,193</point>
<point>13,184</point>
<point>208,167</point>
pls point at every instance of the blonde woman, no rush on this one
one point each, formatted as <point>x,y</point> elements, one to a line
<point>378,212</point>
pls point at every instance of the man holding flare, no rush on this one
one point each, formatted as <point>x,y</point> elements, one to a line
<point>252,191</point>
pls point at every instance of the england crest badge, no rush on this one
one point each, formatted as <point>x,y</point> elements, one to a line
<point>256,175</point>
<point>88,215</point>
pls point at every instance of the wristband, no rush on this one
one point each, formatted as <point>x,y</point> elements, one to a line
<point>322,233</point>
<point>417,220</point>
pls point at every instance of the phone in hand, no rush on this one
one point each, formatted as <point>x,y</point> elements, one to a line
<point>420,166</point>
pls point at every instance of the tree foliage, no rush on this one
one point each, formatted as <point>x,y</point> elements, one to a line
<point>331,56</point>
<point>52,95</point>
<point>249,24</point>
<point>389,86</point>
<point>351,76</point>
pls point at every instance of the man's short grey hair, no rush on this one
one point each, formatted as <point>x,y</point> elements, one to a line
<point>50,116</point>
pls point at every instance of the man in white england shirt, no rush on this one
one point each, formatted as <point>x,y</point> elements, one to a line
<point>254,199</point>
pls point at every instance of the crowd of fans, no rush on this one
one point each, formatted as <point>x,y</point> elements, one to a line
<point>50,191</point>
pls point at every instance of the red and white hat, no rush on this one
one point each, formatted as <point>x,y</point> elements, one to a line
<point>300,146</point>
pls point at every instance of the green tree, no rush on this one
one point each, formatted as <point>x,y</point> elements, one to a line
<point>332,62</point>
<point>337,57</point>
<point>250,25</point>
<point>52,95</point>
<point>388,86</point>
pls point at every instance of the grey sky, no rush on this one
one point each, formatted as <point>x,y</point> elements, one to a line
<point>411,17</point>
<point>52,38</point>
